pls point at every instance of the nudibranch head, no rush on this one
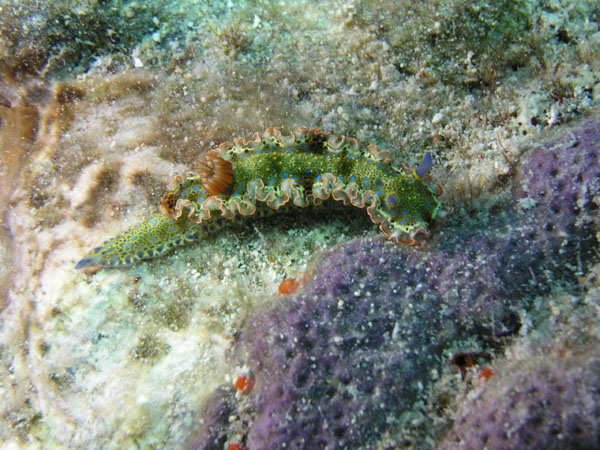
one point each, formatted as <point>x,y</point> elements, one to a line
<point>424,166</point>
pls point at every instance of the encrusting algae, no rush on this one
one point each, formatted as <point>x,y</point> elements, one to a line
<point>265,174</point>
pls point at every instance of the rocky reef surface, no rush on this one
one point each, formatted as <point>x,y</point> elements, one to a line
<point>103,102</point>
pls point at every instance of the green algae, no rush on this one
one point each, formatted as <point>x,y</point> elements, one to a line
<point>149,348</point>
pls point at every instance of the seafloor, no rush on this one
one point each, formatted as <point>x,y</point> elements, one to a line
<point>488,336</point>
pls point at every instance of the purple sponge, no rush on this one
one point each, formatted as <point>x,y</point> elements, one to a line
<point>544,403</point>
<point>562,180</point>
<point>336,364</point>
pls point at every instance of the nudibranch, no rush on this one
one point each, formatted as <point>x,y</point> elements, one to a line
<point>261,176</point>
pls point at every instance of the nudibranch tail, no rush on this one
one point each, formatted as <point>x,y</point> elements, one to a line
<point>272,171</point>
<point>151,239</point>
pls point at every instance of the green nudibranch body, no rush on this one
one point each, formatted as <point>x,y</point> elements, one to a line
<point>240,178</point>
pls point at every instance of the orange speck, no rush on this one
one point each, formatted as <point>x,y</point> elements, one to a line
<point>288,286</point>
<point>244,384</point>
<point>136,280</point>
<point>234,447</point>
<point>486,373</point>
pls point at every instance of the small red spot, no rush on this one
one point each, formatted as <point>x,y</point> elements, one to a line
<point>234,447</point>
<point>136,280</point>
<point>486,373</point>
<point>244,384</point>
<point>288,286</point>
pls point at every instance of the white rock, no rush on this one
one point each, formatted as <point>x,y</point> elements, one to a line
<point>437,118</point>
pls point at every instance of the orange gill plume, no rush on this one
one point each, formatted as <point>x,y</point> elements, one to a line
<point>216,174</point>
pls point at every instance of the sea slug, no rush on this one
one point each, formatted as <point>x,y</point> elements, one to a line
<point>261,176</point>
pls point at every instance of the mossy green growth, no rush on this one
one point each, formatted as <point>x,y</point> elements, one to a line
<point>463,42</point>
<point>149,348</point>
<point>78,32</point>
<point>488,26</point>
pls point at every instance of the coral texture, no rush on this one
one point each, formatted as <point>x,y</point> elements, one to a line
<point>546,402</point>
<point>304,169</point>
<point>340,362</point>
